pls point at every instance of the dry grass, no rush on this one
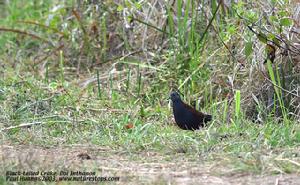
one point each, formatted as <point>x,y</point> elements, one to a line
<point>80,74</point>
<point>132,167</point>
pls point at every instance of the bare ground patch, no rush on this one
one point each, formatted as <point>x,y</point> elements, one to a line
<point>146,167</point>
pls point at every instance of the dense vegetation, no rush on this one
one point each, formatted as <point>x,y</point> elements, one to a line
<point>100,72</point>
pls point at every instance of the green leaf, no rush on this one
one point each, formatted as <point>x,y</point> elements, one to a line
<point>283,13</point>
<point>262,37</point>
<point>138,5</point>
<point>252,16</point>
<point>276,41</point>
<point>273,18</point>
<point>53,85</point>
<point>120,8</point>
<point>213,5</point>
<point>248,48</point>
<point>237,104</point>
<point>128,4</point>
<point>232,29</point>
<point>271,36</point>
<point>286,21</point>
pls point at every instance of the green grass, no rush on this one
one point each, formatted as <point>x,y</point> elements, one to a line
<point>68,109</point>
<point>71,115</point>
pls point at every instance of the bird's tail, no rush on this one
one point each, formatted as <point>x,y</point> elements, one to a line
<point>208,117</point>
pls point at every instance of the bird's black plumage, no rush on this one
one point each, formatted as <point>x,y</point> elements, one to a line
<point>186,117</point>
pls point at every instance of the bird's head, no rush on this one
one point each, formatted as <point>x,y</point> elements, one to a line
<point>175,96</point>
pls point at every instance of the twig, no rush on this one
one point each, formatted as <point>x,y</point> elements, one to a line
<point>43,26</point>
<point>150,25</point>
<point>122,57</point>
<point>289,92</point>
<point>21,126</point>
<point>208,26</point>
<point>289,160</point>
<point>24,33</point>
<point>101,110</point>
<point>276,36</point>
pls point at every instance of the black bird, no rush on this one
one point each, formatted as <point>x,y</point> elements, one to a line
<point>186,117</point>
